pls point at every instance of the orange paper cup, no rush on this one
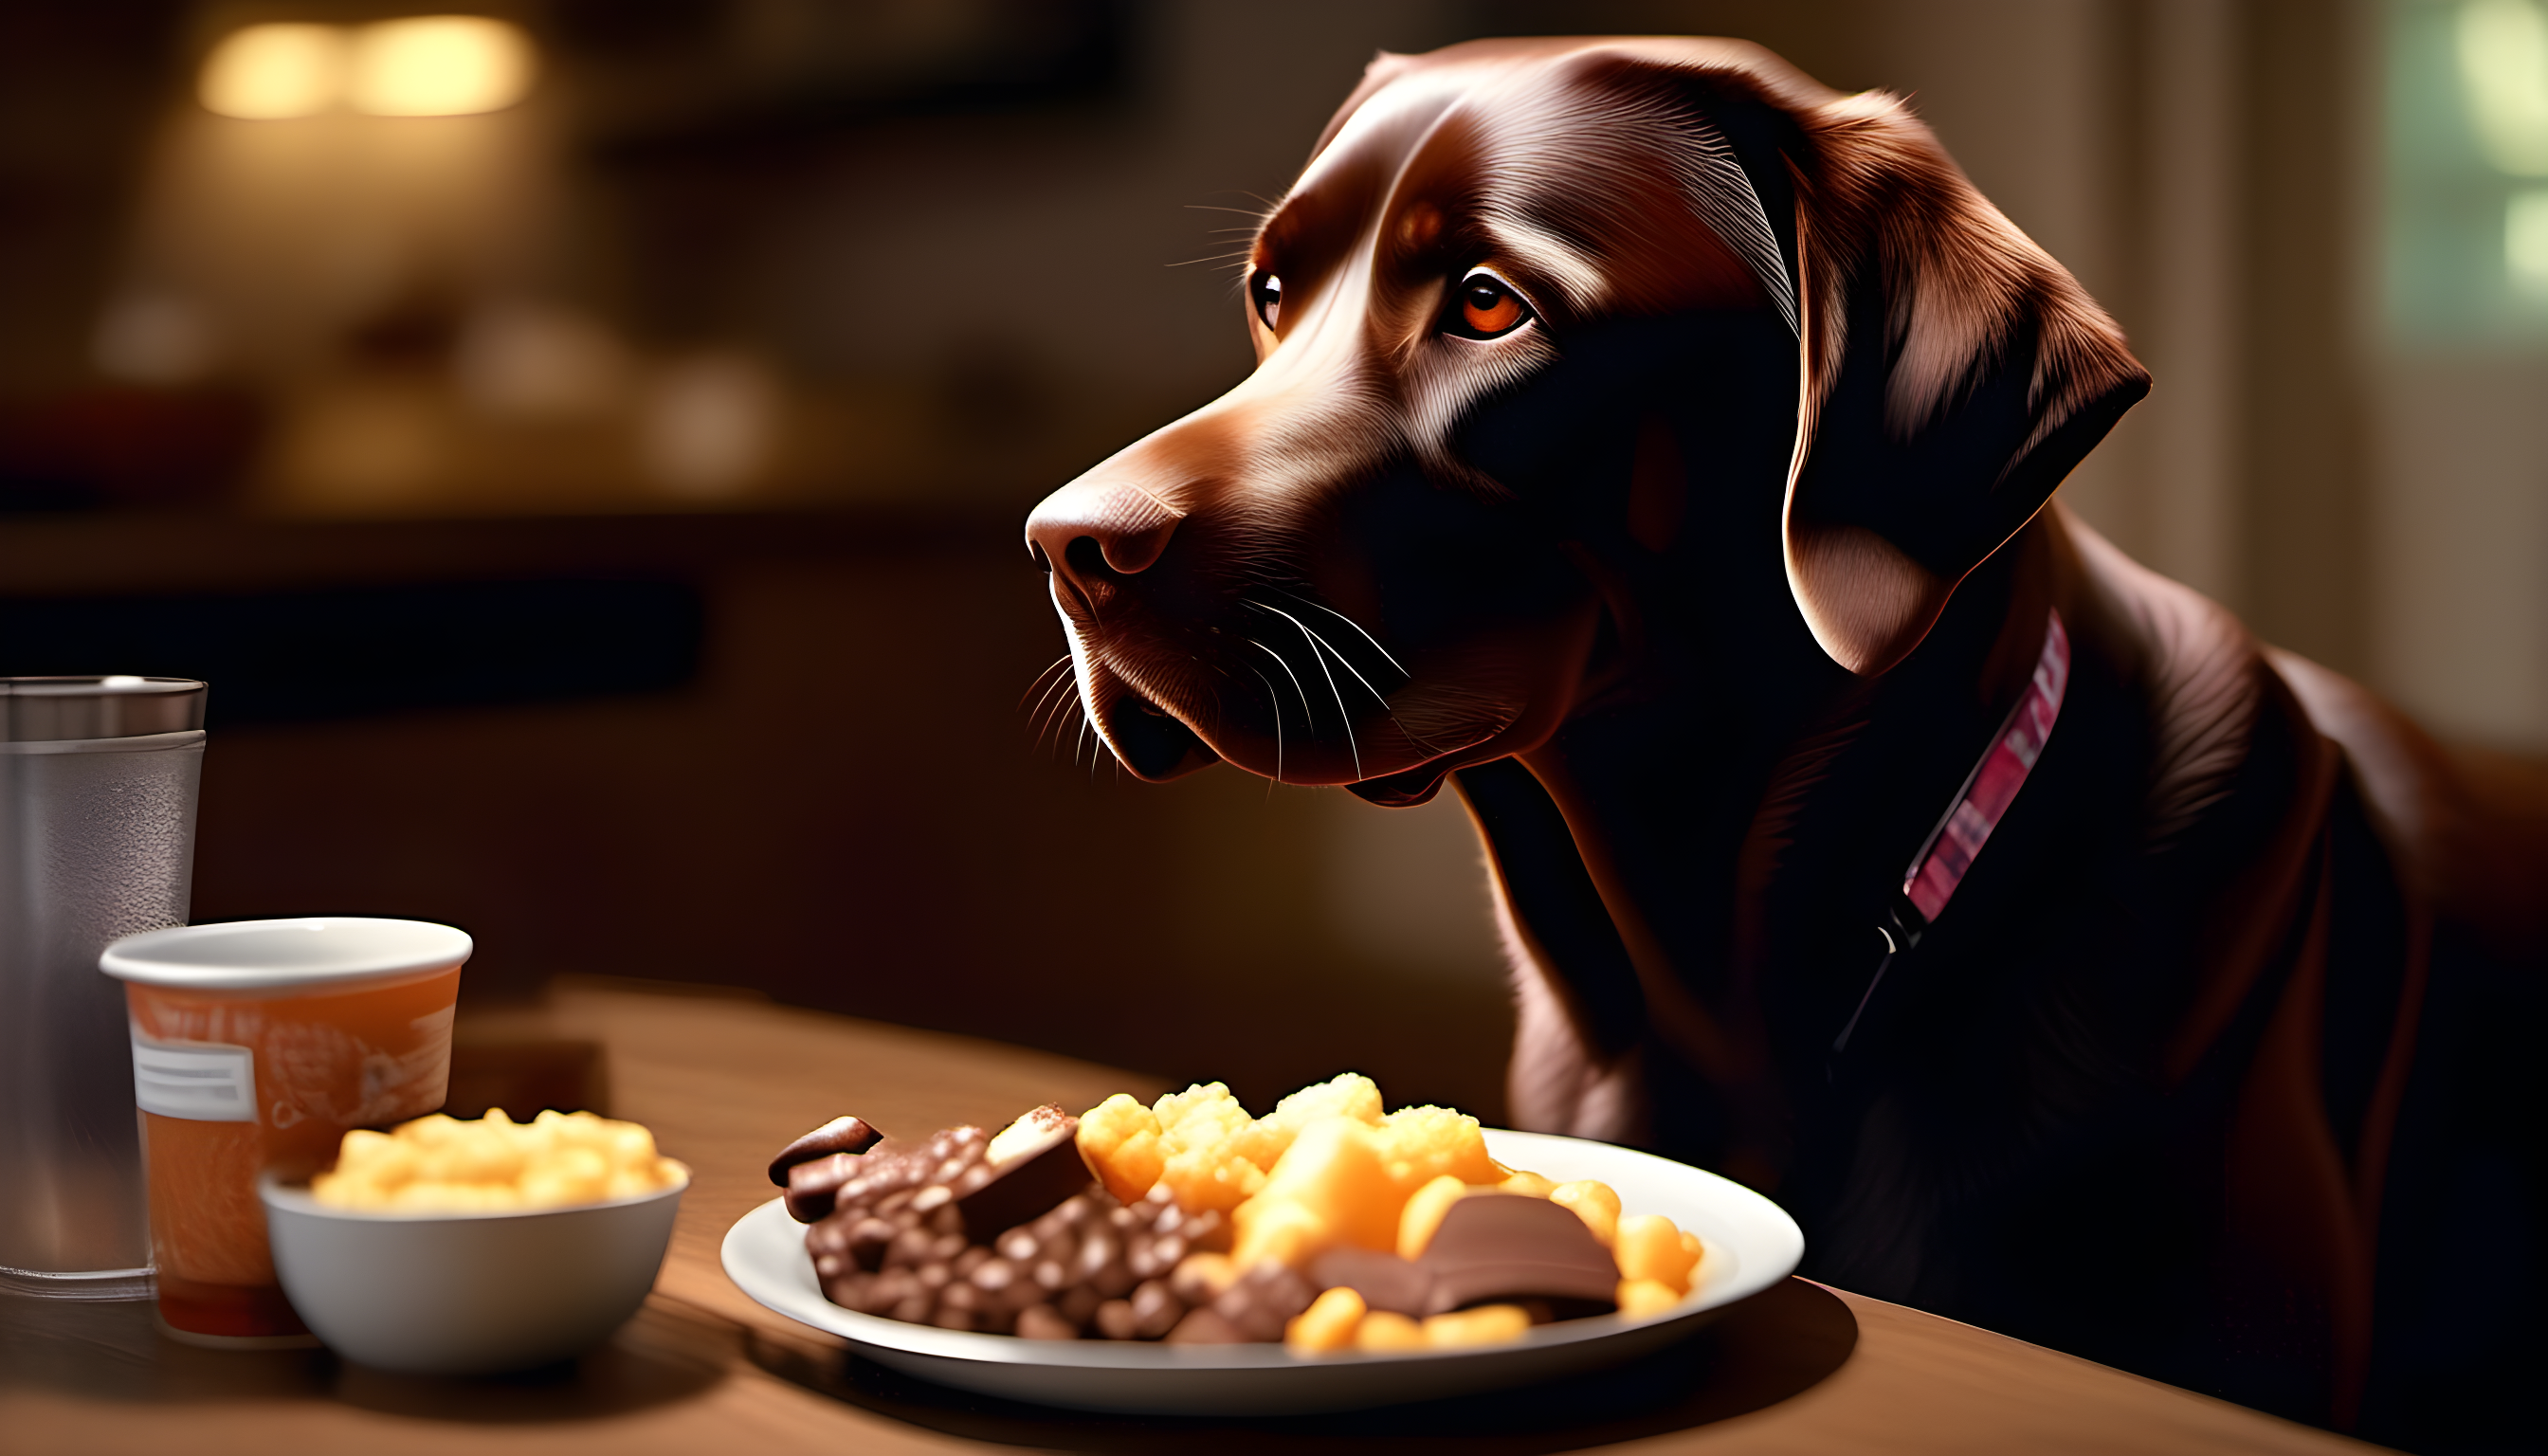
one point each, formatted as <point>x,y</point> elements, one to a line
<point>257,1045</point>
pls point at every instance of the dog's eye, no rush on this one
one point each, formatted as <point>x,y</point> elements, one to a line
<point>1267,291</point>
<point>1489,306</point>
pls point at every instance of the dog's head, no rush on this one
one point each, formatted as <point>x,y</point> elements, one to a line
<point>1542,322</point>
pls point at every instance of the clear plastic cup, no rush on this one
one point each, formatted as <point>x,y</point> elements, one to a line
<point>257,1045</point>
<point>97,840</point>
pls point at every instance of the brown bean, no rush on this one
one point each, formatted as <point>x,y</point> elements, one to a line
<point>1206,1327</point>
<point>1140,1256</point>
<point>1078,1304</point>
<point>868,1239</point>
<point>910,1249</point>
<point>1155,1311</point>
<point>1043,1321</point>
<point>1095,1252</point>
<point>1112,1279</point>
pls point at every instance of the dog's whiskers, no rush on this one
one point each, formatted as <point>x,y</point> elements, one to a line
<point>1317,642</point>
<point>1344,715</point>
<point>1274,701</point>
<point>1037,689</point>
<point>1063,694</point>
<point>1309,719</point>
<point>1350,622</point>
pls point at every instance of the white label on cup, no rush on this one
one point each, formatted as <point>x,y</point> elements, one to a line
<point>200,1081</point>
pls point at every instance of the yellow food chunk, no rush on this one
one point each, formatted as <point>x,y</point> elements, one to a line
<point>1201,1144</point>
<point>1333,1171</point>
<point>1595,1203</point>
<point>1528,1185</point>
<point>1328,1325</point>
<point>1349,1095</point>
<point>1486,1325</point>
<point>1119,1139</point>
<point>1647,1246</point>
<point>441,1164</point>
<point>1202,1115</point>
<point>1284,1229</point>
<point>1423,1214</point>
<point>1639,1298</point>
<point>1421,1143</point>
<point>1199,1134</point>
<point>1386,1330</point>
<point>1211,1178</point>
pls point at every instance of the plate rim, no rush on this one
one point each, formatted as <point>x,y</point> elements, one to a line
<point>1756,1269</point>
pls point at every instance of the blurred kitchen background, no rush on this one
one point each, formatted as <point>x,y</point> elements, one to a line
<point>583,445</point>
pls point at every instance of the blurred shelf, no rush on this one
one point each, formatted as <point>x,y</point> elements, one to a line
<point>126,553</point>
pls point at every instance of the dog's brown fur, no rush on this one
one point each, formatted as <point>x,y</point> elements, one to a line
<point>1705,673</point>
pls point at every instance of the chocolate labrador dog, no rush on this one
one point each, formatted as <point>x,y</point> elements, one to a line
<point>1656,445</point>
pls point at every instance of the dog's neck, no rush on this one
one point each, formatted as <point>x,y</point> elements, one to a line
<point>1680,794</point>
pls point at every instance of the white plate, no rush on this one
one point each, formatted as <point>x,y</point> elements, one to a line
<point>1750,1244</point>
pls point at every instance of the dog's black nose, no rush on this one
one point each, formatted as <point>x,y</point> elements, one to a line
<point>1092,533</point>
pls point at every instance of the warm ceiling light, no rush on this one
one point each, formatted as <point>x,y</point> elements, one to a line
<point>439,65</point>
<point>276,70</point>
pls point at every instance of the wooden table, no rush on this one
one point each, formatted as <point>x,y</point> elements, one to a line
<point>725,1079</point>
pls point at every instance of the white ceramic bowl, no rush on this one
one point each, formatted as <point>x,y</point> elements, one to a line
<point>1751,1244</point>
<point>466,1294</point>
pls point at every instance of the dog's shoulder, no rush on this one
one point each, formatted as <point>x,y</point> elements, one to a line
<point>2467,828</point>
<point>2202,677</point>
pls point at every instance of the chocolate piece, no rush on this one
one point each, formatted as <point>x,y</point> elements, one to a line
<point>1385,1281</point>
<point>813,1186</point>
<point>1026,1170</point>
<point>818,1186</point>
<point>839,1136</point>
<point>1503,1247</point>
<point>898,1240</point>
<point>1117,1320</point>
<point>1032,1129</point>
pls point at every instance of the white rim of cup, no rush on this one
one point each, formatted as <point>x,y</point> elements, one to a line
<point>310,952</point>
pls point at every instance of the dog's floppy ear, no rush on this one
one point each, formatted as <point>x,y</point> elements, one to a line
<point>1952,374</point>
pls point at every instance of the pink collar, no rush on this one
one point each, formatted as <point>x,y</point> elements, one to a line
<point>1975,810</point>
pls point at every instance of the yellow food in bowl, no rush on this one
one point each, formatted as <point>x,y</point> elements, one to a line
<point>440,1164</point>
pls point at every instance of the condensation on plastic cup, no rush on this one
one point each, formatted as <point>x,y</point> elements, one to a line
<point>256,1044</point>
<point>98,778</point>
